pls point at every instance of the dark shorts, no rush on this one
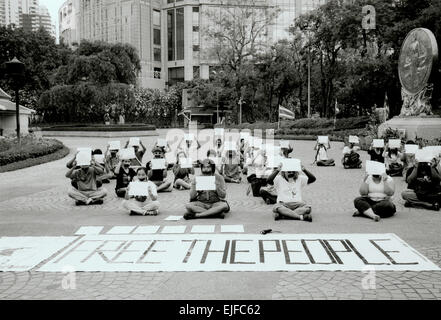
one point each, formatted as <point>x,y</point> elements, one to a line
<point>207,206</point>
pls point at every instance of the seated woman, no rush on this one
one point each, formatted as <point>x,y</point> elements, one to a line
<point>393,162</point>
<point>182,175</point>
<point>424,189</point>
<point>376,154</point>
<point>142,205</point>
<point>86,192</point>
<point>375,201</point>
<point>351,159</point>
<point>208,204</point>
<point>321,158</point>
<point>408,160</point>
<point>124,175</point>
<point>231,168</point>
<point>159,176</point>
<point>289,186</point>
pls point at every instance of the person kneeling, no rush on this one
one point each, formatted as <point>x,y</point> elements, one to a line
<point>289,185</point>
<point>376,192</point>
<point>210,203</point>
<point>146,202</point>
<point>87,192</point>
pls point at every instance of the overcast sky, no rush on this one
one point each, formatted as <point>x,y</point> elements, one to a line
<point>53,6</point>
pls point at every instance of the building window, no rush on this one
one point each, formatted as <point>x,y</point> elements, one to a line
<point>171,34</point>
<point>195,28</point>
<point>195,9</point>
<point>175,75</point>
<point>157,37</point>
<point>157,73</point>
<point>157,54</point>
<point>170,1</point>
<point>196,47</point>
<point>180,34</point>
<point>156,17</point>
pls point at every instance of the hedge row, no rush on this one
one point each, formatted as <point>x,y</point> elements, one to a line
<point>310,124</point>
<point>37,149</point>
<point>102,128</point>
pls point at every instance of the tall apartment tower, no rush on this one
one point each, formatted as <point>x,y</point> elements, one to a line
<point>168,34</point>
<point>9,13</point>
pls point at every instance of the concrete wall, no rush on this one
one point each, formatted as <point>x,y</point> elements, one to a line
<point>8,124</point>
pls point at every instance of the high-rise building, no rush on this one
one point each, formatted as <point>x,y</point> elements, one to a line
<point>9,13</point>
<point>68,17</point>
<point>168,34</point>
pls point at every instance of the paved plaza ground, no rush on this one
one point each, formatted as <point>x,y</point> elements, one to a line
<point>34,202</point>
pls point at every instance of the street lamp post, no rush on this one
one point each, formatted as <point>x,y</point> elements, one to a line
<point>309,74</point>
<point>15,70</point>
<point>240,110</point>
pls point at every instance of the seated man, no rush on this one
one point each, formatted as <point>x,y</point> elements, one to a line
<point>289,187</point>
<point>424,189</point>
<point>207,204</point>
<point>159,176</point>
<point>124,175</point>
<point>351,159</point>
<point>142,205</point>
<point>87,192</point>
<point>138,152</point>
<point>231,168</point>
<point>321,157</point>
<point>98,157</point>
<point>375,202</point>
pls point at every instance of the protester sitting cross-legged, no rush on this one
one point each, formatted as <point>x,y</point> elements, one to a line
<point>111,160</point>
<point>124,175</point>
<point>85,176</point>
<point>289,179</point>
<point>424,189</point>
<point>351,159</point>
<point>376,191</point>
<point>231,167</point>
<point>144,203</point>
<point>376,153</point>
<point>321,157</point>
<point>393,160</point>
<point>182,175</point>
<point>207,201</point>
<point>159,175</point>
<point>140,150</point>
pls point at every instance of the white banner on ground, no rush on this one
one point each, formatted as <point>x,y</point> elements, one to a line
<point>20,254</point>
<point>238,252</point>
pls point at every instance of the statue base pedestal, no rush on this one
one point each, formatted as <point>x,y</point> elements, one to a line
<point>422,127</point>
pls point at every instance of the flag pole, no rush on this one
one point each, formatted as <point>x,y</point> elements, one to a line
<point>278,119</point>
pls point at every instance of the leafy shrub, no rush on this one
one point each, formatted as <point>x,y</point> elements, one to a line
<point>30,147</point>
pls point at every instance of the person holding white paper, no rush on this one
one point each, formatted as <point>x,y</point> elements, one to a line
<point>87,192</point>
<point>182,175</point>
<point>231,168</point>
<point>219,148</point>
<point>98,157</point>
<point>210,203</point>
<point>256,169</point>
<point>408,158</point>
<point>269,192</point>
<point>124,175</point>
<point>289,186</point>
<point>392,159</point>
<point>138,152</point>
<point>321,157</point>
<point>351,158</point>
<point>190,146</point>
<point>111,161</point>
<point>286,148</point>
<point>146,203</point>
<point>218,161</point>
<point>159,176</point>
<point>377,190</point>
<point>376,152</point>
<point>424,188</point>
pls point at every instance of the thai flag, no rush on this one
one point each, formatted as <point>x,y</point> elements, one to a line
<point>285,113</point>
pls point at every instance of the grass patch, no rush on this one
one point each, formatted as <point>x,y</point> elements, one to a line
<point>57,155</point>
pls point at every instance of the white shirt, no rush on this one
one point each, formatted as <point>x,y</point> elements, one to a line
<point>290,191</point>
<point>322,155</point>
<point>376,190</point>
<point>151,186</point>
